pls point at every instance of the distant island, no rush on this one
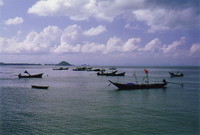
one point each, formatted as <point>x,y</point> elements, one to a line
<point>62,63</point>
<point>20,64</point>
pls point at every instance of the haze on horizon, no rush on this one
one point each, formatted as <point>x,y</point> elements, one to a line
<point>100,32</point>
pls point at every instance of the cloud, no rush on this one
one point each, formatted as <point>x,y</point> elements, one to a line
<point>95,31</point>
<point>71,34</point>
<point>103,10</point>
<point>34,42</point>
<point>14,21</point>
<point>195,49</point>
<point>67,48</point>
<point>75,10</point>
<point>53,40</point>
<point>165,19</point>
<point>158,15</point>
<point>172,48</point>
<point>1,2</point>
<point>153,46</point>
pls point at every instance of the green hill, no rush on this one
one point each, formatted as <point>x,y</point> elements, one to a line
<point>63,63</point>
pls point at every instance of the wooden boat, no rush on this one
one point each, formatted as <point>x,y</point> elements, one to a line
<point>80,69</point>
<point>96,69</point>
<point>132,86</point>
<point>61,68</point>
<point>112,68</point>
<point>39,87</point>
<point>31,76</point>
<point>176,74</point>
<point>111,74</point>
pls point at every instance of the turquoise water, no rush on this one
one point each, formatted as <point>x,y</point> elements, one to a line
<point>81,103</point>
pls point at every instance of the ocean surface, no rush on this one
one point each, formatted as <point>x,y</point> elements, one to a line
<point>82,103</point>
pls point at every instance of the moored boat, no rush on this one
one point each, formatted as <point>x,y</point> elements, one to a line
<point>178,74</point>
<point>112,68</point>
<point>95,69</point>
<point>80,69</point>
<point>39,87</point>
<point>61,68</point>
<point>132,86</point>
<point>114,73</point>
<point>31,76</point>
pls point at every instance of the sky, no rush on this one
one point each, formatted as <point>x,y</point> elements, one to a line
<point>100,32</point>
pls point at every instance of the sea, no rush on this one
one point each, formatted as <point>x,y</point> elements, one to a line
<point>82,103</point>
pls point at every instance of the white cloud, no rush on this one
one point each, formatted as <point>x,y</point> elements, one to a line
<point>67,48</point>
<point>172,48</point>
<point>53,40</point>
<point>14,21</point>
<point>132,44</point>
<point>71,33</point>
<point>76,10</point>
<point>92,48</point>
<point>34,42</point>
<point>95,31</point>
<point>104,10</point>
<point>153,45</point>
<point>1,2</point>
<point>195,48</point>
<point>157,15</point>
<point>165,19</point>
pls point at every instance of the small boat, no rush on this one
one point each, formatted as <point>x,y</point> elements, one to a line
<point>178,74</point>
<point>31,76</point>
<point>80,69</point>
<point>114,73</point>
<point>112,68</point>
<point>96,69</point>
<point>61,68</point>
<point>39,87</point>
<point>132,86</point>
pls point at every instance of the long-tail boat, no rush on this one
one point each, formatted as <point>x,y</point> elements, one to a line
<point>132,86</point>
<point>31,76</point>
<point>114,73</point>
<point>178,74</point>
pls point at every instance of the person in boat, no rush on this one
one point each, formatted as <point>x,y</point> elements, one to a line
<point>178,73</point>
<point>146,78</point>
<point>135,77</point>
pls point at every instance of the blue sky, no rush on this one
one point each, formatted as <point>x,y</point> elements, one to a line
<point>100,32</point>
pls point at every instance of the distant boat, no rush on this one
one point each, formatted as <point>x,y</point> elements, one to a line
<point>178,74</point>
<point>39,87</point>
<point>114,73</point>
<point>96,69</point>
<point>61,68</point>
<point>112,68</point>
<point>31,76</point>
<point>80,69</point>
<point>132,86</point>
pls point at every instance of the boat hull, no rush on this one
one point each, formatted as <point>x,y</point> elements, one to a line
<point>39,87</point>
<point>111,74</point>
<point>176,75</point>
<point>31,76</point>
<point>121,86</point>
<point>60,68</point>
